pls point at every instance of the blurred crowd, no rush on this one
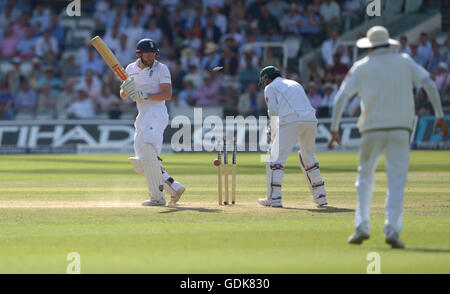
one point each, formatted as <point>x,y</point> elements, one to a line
<point>193,37</point>
<point>324,81</point>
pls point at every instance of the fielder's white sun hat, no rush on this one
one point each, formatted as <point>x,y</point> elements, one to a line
<point>376,36</point>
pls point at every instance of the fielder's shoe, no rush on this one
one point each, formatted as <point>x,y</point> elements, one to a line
<point>270,202</point>
<point>178,191</point>
<point>153,202</point>
<point>321,200</point>
<point>393,239</point>
<point>358,236</point>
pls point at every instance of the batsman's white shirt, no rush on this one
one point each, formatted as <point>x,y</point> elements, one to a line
<point>152,118</point>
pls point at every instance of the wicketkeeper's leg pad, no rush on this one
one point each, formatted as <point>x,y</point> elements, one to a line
<point>313,178</point>
<point>274,173</point>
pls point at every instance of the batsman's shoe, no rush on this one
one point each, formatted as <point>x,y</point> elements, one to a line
<point>358,236</point>
<point>153,202</point>
<point>270,202</point>
<point>393,239</point>
<point>178,190</point>
<point>321,200</point>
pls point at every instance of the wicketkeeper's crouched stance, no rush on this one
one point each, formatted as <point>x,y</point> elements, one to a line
<point>292,118</point>
<point>149,85</point>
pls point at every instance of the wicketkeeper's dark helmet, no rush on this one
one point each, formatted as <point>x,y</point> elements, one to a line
<point>146,45</point>
<point>268,73</point>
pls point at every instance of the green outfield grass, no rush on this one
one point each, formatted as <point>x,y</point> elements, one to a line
<point>51,205</point>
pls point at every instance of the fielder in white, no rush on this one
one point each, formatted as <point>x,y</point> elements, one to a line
<point>384,80</point>
<point>292,118</point>
<point>149,85</point>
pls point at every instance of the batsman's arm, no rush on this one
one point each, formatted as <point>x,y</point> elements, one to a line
<point>165,93</point>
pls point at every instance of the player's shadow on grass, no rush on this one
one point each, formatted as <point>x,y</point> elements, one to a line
<point>198,209</point>
<point>326,209</point>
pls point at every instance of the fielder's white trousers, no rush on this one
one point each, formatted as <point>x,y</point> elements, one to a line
<point>395,145</point>
<point>286,137</point>
<point>150,126</point>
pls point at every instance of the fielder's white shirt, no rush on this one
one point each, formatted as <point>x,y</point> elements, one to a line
<point>148,80</point>
<point>287,99</point>
<point>384,81</point>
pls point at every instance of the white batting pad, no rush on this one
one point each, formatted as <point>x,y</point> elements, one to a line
<point>152,171</point>
<point>137,165</point>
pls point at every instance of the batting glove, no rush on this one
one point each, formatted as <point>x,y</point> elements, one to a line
<point>137,96</point>
<point>128,86</point>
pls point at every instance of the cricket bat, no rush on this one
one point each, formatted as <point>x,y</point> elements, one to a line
<point>109,58</point>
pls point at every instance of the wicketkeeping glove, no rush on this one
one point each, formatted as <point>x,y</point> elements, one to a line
<point>128,86</point>
<point>137,96</point>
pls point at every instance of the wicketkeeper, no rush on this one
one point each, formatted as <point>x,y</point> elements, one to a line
<point>292,118</point>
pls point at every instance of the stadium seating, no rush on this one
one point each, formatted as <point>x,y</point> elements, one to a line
<point>5,67</point>
<point>412,5</point>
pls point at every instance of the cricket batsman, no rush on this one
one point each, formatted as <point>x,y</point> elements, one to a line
<point>149,85</point>
<point>384,80</point>
<point>292,118</point>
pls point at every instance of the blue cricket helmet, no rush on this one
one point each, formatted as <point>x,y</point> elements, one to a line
<point>146,45</point>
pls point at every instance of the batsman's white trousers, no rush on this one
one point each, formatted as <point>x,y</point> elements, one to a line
<point>395,145</point>
<point>150,126</point>
<point>286,137</point>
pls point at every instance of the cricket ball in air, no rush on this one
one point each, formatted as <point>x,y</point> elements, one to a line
<point>216,162</point>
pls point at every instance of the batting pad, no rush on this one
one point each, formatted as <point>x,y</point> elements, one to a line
<point>168,181</point>
<point>137,165</point>
<point>152,171</point>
